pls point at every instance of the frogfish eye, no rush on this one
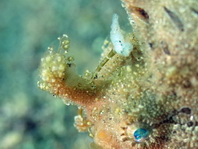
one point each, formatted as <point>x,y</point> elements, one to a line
<point>140,134</point>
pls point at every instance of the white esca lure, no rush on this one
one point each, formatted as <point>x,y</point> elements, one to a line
<point>120,45</point>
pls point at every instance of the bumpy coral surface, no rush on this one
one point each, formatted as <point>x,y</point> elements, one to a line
<point>144,100</point>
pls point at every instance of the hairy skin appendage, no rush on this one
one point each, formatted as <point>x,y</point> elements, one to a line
<point>144,92</point>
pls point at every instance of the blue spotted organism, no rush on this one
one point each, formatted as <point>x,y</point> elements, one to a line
<point>121,46</point>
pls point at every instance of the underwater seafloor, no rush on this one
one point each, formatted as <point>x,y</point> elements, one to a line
<point>29,117</point>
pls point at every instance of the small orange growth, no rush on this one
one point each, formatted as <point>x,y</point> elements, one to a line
<point>105,138</point>
<point>81,122</point>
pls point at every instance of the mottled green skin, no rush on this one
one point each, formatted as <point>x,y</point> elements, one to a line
<point>169,36</point>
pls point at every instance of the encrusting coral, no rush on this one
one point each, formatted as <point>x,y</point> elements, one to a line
<point>143,95</point>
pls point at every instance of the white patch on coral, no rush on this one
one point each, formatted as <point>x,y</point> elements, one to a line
<point>120,45</point>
